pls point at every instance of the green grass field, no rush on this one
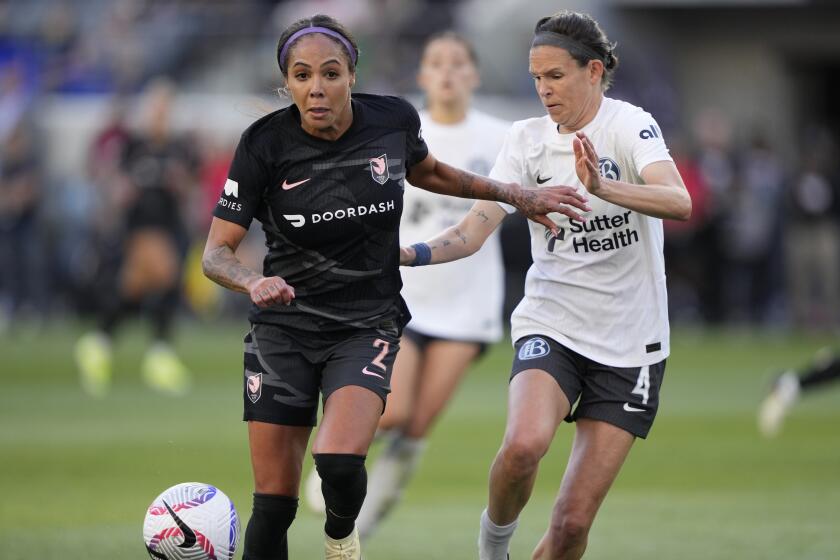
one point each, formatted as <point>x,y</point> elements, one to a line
<point>76,475</point>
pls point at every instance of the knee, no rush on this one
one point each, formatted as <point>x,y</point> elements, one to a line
<point>341,471</point>
<point>343,482</point>
<point>569,530</point>
<point>520,456</point>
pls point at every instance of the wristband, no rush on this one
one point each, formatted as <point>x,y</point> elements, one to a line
<point>422,254</point>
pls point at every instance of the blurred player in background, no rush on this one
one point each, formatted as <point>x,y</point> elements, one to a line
<point>151,173</point>
<point>21,251</point>
<point>822,371</point>
<point>456,309</point>
<point>592,328</point>
<point>324,176</point>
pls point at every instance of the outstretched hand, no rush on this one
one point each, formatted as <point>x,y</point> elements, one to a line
<point>536,203</point>
<point>586,163</point>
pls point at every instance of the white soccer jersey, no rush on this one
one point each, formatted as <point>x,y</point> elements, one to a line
<point>599,288</point>
<point>460,300</point>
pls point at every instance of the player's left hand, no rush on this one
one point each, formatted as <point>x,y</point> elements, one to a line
<point>586,163</point>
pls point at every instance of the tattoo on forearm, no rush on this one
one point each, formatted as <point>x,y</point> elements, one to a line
<point>527,202</point>
<point>460,235</point>
<point>466,180</point>
<point>222,266</point>
<point>446,243</point>
<point>482,215</point>
<point>477,187</point>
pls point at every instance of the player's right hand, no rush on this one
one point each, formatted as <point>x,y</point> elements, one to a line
<point>536,203</point>
<point>271,290</point>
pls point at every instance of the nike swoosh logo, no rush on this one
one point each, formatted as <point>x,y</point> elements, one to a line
<point>189,534</point>
<point>540,180</point>
<point>366,371</point>
<point>629,408</point>
<point>341,516</point>
<point>286,186</point>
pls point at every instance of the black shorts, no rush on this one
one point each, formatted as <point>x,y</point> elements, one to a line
<point>286,371</point>
<point>155,208</point>
<point>627,397</point>
<point>423,340</point>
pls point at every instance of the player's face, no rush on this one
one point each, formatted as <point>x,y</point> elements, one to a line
<point>569,92</point>
<point>319,81</point>
<point>447,73</point>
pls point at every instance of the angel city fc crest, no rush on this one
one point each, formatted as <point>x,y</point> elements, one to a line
<point>253,386</point>
<point>379,169</point>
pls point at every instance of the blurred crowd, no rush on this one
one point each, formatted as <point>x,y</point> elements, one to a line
<point>762,246</point>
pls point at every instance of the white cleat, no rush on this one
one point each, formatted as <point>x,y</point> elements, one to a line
<point>775,407</point>
<point>348,548</point>
<point>387,480</point>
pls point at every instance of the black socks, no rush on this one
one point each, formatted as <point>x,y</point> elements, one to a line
<point>265,537</point>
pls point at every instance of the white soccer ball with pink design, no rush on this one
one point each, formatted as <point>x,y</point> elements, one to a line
<point>191,521</point>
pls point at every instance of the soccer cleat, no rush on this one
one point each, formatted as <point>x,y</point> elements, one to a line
<point>93,358</point>
<point>784,393</point>
<point>312,494</point>
<point>164,372</point>
<point>348,548</point>
<point>390,474</point>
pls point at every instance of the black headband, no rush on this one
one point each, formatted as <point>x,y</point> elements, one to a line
<point>552,39</point>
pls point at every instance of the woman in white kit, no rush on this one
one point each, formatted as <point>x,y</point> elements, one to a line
<point>592,330</point>
<point>456,309</point>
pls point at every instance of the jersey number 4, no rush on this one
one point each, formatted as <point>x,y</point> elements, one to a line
<point>643,384</point>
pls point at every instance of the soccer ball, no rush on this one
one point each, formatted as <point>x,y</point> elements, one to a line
<point>191,521</point>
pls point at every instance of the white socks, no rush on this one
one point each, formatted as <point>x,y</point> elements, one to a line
<point>386,480</point>
<point>494,540</point>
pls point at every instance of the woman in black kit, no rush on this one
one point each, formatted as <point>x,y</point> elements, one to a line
<point>325,177</point>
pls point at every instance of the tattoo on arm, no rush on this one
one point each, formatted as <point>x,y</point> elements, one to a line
<point>221,265</point>
<point>446,243</point>
<point>457,182</point>
<point>460,235</point>
<point>466,181</point>
<point>527,202</point>
<point>480,213</point>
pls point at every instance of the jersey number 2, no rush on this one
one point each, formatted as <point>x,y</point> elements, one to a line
<point>377,361</point>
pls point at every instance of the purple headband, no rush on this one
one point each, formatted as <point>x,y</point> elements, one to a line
<point>281,57</point>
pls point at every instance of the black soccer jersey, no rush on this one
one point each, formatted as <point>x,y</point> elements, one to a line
<point>149,165</point>
<point>330,211</point>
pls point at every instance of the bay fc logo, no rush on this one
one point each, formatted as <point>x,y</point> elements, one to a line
<point>379,169</point>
